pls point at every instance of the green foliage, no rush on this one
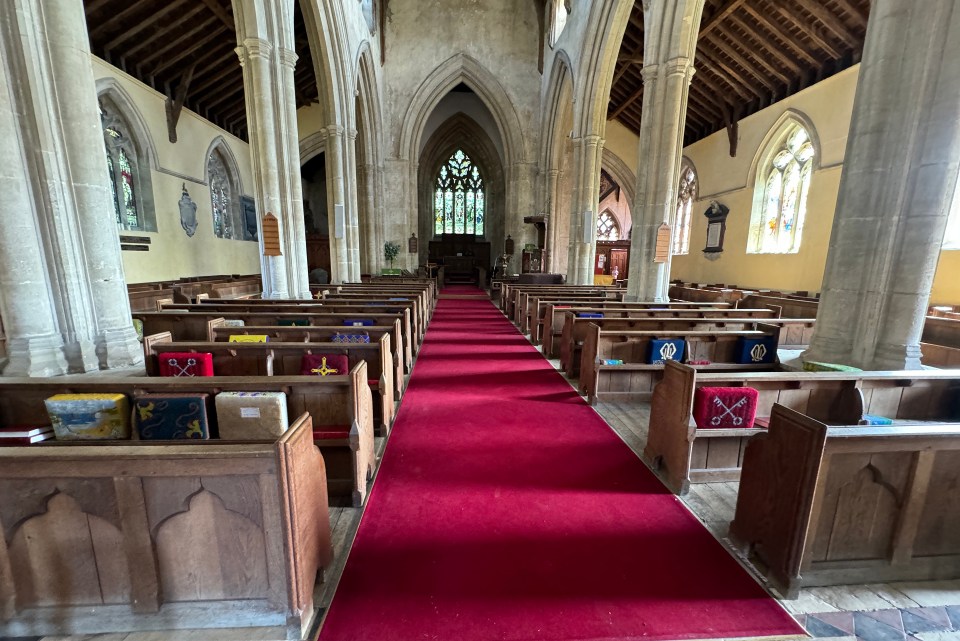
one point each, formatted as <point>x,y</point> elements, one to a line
<point>390,251</point>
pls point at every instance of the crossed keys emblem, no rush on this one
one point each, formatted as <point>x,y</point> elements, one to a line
<point>758,352</point>
<point>182,370</point>
<point>668,351</point>
<point>323,370</point>
<point>727,411</point>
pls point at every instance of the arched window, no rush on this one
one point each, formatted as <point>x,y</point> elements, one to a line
<point>369,11</point>
<point>780,199</point>
<point>559,19</point>
<point>224,197</point>
<point>607,227</point>
<point>686,194</point>
<point>459,206</point>
<point>129,171</point>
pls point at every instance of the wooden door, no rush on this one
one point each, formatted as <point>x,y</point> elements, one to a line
<point>619,258</point>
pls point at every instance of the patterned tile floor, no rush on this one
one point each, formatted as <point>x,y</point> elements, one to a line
<point>904,624</point>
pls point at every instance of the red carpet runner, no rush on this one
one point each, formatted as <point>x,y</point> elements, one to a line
<point>505,508</point>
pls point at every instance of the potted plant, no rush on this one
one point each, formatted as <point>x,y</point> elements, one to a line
<point>390,251</point>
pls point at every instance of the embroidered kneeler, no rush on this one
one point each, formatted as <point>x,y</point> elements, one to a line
<point>324,365</point>
<point>725,407</point>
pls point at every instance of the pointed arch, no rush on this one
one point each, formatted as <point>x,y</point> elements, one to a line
<point>560,93</point>
<point>456,69</point>
<point>130,155</point>
<point>777,132</point>
<point>222,176</point>
<point>621,173</point>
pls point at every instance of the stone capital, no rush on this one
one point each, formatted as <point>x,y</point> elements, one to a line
<point>334,131</point>
<point>287,57</point>
<point>679,67</point>
<point>255,48</point>
<point>352,133</point>
<point>649,73</point>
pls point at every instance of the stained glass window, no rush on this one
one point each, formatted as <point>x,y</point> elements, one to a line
<point>607,227</point>
<point>459,206</point>
<point>122,169</point>
<point>777,222</point>
<point>560,15</point>
<point>686,194</point>
<point>221,196</point>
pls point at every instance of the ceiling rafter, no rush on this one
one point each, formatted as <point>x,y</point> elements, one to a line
<point>796,45</point>
<point>830,21</point>
<point>134,30</point>
<point>186,52</point>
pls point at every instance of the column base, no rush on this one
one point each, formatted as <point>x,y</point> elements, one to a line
<point>35,357</point>
<point>118,348</point>
<point>81,357</point>
<point>894,357</point>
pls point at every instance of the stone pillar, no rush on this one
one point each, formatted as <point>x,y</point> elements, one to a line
<point>339,255</point>
<point>82,134</point>
<point>550,212</point>
<point>351,214</point>
<point>34,346</point>
<point>587,152</point>
<point>899,174</point>
<point>369,214</point>
<point>255,56</point>
<point>665,90</point>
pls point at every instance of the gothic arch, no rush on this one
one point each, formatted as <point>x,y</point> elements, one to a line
<point>219,148</point>
<point>778,130</point>
<point>312,146</point>
<point>607,22</point>
<point>620,172</point>
<point>110,88</point>
<point>220,144</point>
<point>560,91</point>
<point>461,68</point>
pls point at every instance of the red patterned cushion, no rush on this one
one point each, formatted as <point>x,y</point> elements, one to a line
<point>325,365</point>
<point>330,431</point>
<point>186,364</point>
<point>724,407</point>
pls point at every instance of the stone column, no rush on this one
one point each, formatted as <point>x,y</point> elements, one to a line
<point>587,152</point>
<point>339,256</point>
<point>900,171</point>
<point>550,211</point>
<point>351,214</point>
<point>34,346</point>
<point>255,55</point>
<point>665,90</point>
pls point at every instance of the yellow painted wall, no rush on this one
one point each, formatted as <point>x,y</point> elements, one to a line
<point>172,253</point>
<point>828,105</point>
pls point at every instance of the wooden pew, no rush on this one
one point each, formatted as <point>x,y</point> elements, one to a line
<point>335,403</point>
<point>940,344</point>
<point>789,307</point>
<point>527,302</point>
<point>828,505</point>
<point>635,378</point>
<point>283,359</point>
<point>222,333</point>
<point>195,326</point>
<point>145,300</point>
<point>576,329</point>
<point>357,308</point>
<point>132,535</point>
<point>516,303</point>
<point>509,293</point>
<point>374,292</point>
<point>549,322</point>
<point>683,454</point>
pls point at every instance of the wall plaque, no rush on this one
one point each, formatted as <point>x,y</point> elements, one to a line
<point>662,252</point>
<point>249,210</point>
<point>188,212</point>
<point>716,216</point>
<point>271,236</point>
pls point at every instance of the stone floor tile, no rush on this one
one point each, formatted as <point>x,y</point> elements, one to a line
<point>942,635</point>
<point>890,617</point>
<point>840,620</point>
<point>821,629</point>
<point>953,611</point>
<point>925,620</point>
<point>870,629</point>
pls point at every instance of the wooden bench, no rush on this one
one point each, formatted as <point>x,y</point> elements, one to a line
<point>114,536</point>
<point>635,378</point>
<point>682,453</point>
<point>145,300</point>
<point>509,293</point>
<point>335,403</point>
<point>284,359</point>
<point>575,331</point>
<point>528,303</point>
<point>222,333</point>
<point>195,326</point>
<point>549,323</point>
<point>828,505</point>
<point>940,344</point>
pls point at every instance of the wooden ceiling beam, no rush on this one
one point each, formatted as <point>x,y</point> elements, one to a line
<point>220,13</point>
<point>734,75</point>
<point>829,20</point>
<point>172,29</point>
<point>222,72</point>
<point>626,103</point>
<point>768,47</point>
<point>854,10</point>
<point>136,29</point>
<point>796,45</point>
<point>795,18</point>
<point>743,93</point>
<point>160,53</point>
<point>755,66</point>
<point>95,5</point>
<point>187,51</point>
<point>714,21</point>
<point>228,92</point>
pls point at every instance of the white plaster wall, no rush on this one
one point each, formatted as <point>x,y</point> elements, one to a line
<point>172,253</point>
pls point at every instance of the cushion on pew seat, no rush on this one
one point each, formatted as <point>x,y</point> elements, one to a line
<point>814,366</point>
<point>757,350</point>
<point>251,416</point>
<point>666,349</point>
<point>233,322</point>
<point>249,338</point>
<point>373,382</point>
<point>324,365</point>
<point>590,315</point>
<point>761,422</point>
<point>725,407</point>
<point>330,432</point>
<point>89,416</point>
<point>350,338</point>
<point>186,364</point>
<point>293,322</point>
<point>358,322</point>
<point>172,416</point>
<point>138,328</point>
<point>872,419</point>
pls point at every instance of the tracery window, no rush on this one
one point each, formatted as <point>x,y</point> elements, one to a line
<point>607,227</point>
<point>780,202</point>
<point>123,167</point>
<point>559,20</point>
<point>221,197</point>
<point>459,203</point>
<point>686,194</point>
